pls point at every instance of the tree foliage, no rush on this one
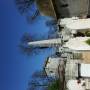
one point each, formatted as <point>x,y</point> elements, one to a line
<point>54,85</point>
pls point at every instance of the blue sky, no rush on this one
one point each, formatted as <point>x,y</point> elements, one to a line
<point>16,68</point>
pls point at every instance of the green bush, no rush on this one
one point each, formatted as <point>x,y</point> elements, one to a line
<point>88,41</point>
<point>87,33</point>
<point>54,86</point>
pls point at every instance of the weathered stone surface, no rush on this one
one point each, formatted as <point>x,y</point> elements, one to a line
<point>69,8</point>
<point>78,7</point>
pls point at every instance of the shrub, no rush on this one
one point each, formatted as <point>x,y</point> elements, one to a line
<point>88,41</point>
<point>87,33</point>
<point>54,85</point>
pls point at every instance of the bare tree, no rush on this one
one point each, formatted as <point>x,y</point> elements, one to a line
<point>26,38</point>
<point>51,22</point>
<point>39,80</point>
<point>39,74</point>
<point>29,50</point>
<point>23,46</point>
<point>25,7</point>
<point>53,28</point>
<point>33,17</point>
